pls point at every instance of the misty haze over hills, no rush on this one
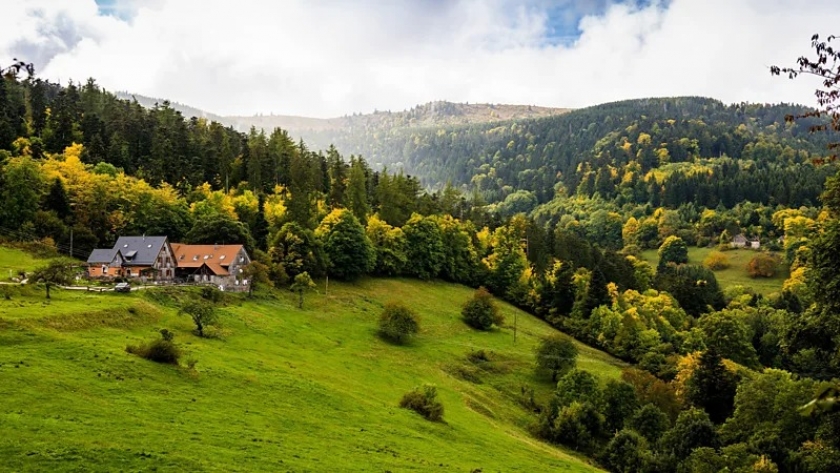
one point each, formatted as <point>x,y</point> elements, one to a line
<point>437,113</point>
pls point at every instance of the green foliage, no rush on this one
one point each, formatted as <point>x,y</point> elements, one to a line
<point>650,422</point>
<point>712,386</point>
<point>220,229</point>
<point>673,250</point>
<point>625,453</point>
<point>727,332</point>
<point>349,251</point>
<point>424,247</point>
<point>555,355</point>
<point>423,400</point>
<point>389,245</point>
<point>481,312</point>
<point>398,323</point>
<point>578,425</point>
<point>694,287</point>
<point>295,250</point>
<point>693,429</point>
<point>202,313</point>
<point>57,272</point>
<point>160,350</point>
<point>618,401</point>
<point>577,385</point>
<point>21,185</point>
<point>301,284</point>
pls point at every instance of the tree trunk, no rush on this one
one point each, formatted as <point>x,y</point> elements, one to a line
<point>48,291</point>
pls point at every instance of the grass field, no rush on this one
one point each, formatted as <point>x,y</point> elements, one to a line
<point>14,260</point>
<point>280,389</point>
<point>735,274</point>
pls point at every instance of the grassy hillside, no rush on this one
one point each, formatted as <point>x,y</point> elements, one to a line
<point>735,274</point>
<point>280,389</point>
<point>14,260</point>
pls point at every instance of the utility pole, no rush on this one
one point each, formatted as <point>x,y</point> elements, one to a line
<point>327,287</point>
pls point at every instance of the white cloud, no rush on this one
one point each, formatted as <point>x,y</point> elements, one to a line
<point>330,57</point>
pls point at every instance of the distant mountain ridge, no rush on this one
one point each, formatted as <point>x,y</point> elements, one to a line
<point>431,114</point>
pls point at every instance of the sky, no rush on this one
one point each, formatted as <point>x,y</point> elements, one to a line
<point>326,58</point>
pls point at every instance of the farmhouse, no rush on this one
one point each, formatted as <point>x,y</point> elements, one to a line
<point>217,264</point>
<point>104,263</point>
<point>739,241</point>
<point>143,257</point>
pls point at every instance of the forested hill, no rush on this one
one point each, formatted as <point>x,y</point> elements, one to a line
<point>439,113</point>
<point>699,148</point>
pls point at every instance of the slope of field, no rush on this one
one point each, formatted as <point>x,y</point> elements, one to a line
<point>279,389</point>
<point>13,260</point>
<point>735,274</point>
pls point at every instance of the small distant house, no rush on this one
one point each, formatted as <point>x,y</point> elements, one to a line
<point>755,243</point>
<point>739,241</point>
<point>105,263</point>
<point>143,257</point>
<point>221,265</point>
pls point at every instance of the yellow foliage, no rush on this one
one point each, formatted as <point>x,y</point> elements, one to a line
<point>644,139</point>
<point>716,261</point>
<point>612,290</point>
<point>329,221</point>
<point>685,369</point>
<point>663,156</point>
<point>22,147</point>
<point>796,282</point>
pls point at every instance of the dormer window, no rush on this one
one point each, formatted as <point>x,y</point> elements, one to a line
<point>222,257</point>
<point>149,246</point>
<point>181,258</point>
<point>206,256</point>
<point>125,246</point>
<point>195,258</point>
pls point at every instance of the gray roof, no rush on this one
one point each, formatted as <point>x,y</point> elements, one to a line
<point>102,256</point>
<point>147,249</point>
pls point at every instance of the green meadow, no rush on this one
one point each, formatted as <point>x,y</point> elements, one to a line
<point>13,260</point>
<point>275,389</point>
<point>736,273</point>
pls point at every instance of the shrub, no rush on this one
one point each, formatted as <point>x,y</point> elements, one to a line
<point>673,250</point>
<point>579,426</point>
<point>212,294</point>
<point>398,323</point>
<point>716,261</point>
<point>555,355</point>
<point>481,312</point>
<point>201,313</point>
<point>161,350</point>
<point>577,386</point>
<point>423,400</point>
<point>763,265</point>
<point>625,452</point>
